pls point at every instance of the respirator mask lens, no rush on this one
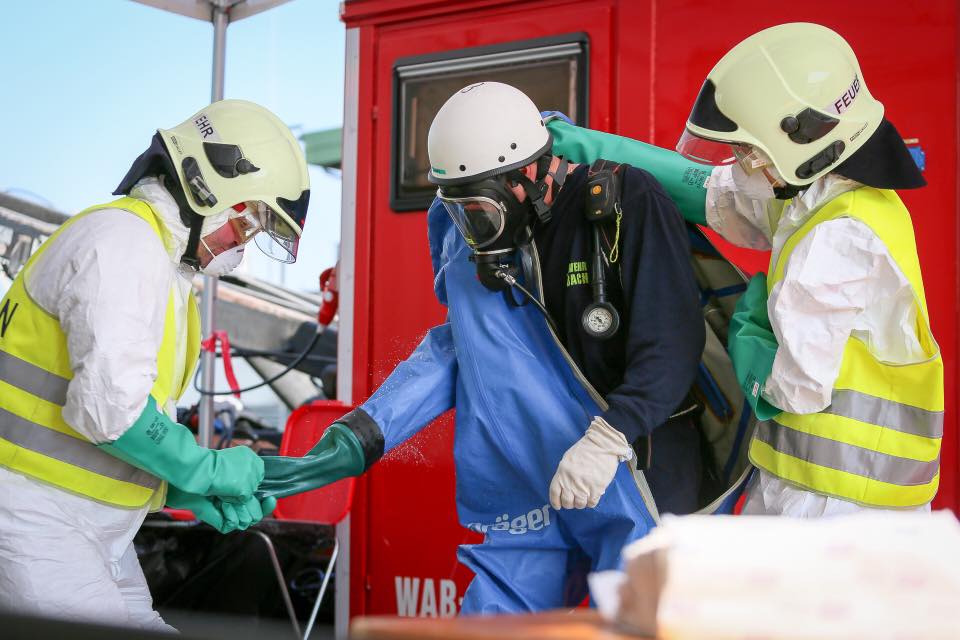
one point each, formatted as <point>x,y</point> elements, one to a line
<point>480,220</point>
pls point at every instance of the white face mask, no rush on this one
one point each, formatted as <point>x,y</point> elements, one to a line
<point>224,263</point>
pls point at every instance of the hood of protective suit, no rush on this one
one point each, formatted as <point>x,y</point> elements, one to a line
<point>822,190</point>
<point>150,190</point>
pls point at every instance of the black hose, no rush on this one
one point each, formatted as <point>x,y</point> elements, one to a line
<point>513,283</point>
<point>240,352</point>
<point>293,365</point>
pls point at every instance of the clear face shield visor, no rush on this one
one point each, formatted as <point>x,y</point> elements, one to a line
<point>239,229</point>
<point>480,220</point>
<point>718,153</point>
<point>279,239</point>
<point>248,221</point>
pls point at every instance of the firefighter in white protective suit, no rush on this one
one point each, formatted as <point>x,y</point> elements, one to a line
<point>833,345</point>
<point>99,335</point>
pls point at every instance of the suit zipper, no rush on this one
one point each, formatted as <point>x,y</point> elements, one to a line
<point>601,402</point>
<point>638,477</point>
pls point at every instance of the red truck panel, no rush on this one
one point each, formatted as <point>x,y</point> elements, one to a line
<point>647,61</point>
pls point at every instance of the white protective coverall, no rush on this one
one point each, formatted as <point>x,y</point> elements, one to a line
<point>108,282</point>
<point>839,280</point>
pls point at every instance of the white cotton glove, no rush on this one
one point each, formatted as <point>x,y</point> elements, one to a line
<point>588,467</point>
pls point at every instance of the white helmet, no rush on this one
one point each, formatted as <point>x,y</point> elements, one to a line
<point>478,143</point>
<point>235,152</point>
<point>795,92</point>
<point>483,130</point>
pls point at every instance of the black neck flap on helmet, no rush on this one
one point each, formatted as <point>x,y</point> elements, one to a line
<point>883,162</point>
<point>156,161</point>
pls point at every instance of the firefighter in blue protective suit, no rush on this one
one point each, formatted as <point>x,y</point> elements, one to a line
<point>550,395</point>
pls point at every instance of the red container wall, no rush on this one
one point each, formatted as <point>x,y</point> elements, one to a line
<point>647,62</point>
<point>908,55</point>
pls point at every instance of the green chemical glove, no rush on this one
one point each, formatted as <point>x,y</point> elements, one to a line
<point>682,179</point>
<point>168,450</point>
<point>753,346</point>
<point>347,448</point>
<point>222,516</point>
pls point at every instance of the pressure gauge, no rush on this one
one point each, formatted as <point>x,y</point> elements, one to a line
<point>600,320</point>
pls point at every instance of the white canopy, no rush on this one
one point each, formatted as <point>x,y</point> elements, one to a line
<point>220,13</point>
<point>203,9</point>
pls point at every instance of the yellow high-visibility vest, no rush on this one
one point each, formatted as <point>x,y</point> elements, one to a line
<point>34,375</point>
<point>878,443</point>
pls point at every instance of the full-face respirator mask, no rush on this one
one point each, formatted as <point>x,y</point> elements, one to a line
<point>495,223</point>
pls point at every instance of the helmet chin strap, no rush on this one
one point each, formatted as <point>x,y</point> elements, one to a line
<point>786,192</point>
<point>189,256</point>
<point>190,218</point>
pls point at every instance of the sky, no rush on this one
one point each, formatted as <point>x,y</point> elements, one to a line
<point>84,84</point>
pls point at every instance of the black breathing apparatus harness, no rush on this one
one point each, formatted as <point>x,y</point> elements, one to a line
<point>537,191</point>
<point>600,319</point>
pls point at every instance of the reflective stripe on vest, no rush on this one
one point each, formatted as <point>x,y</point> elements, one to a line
<point>859,461</point>
<point>78,453</point>
<point>878,443</point>
<point>886,413</point>
<point>34,377</point>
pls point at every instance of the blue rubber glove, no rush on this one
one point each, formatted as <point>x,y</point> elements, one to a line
<point>753,346</point>
<point>222,516</point>
<point>550,115</point>
<point>168,450</point>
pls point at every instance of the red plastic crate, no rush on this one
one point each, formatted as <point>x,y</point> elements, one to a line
<point>329,504</point>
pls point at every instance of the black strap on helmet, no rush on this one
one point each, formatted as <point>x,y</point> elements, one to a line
<point>786,192</point>
<point>190,257</point>
<point>559,177</point>
<point>536,192</point>
<point>538,189</point>
<point>156,161</point>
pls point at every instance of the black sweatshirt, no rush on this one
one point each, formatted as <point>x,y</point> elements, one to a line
<point>647,368</point>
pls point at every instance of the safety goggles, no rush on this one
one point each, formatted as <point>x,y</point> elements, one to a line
<point>241,226</point>
<point>480,220</point>
<point>254,221</point>
<point>753,160</point>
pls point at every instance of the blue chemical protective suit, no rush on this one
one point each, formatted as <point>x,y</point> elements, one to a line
<point>520,406</point>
